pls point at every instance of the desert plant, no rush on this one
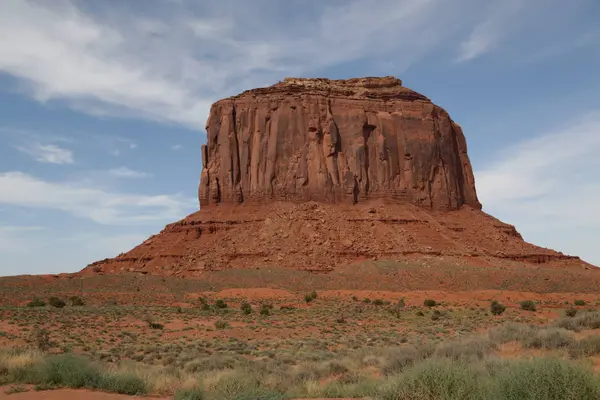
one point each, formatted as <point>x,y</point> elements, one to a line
<point>378,302</point>
<point>56,302</point>
<point>579,302</point>
<point>246,307</point>
<point>36,302</point>
<point>571,312</point>
<point>196,393</point>
<point>220,324</point>
<point>154,325</point>
<point>528,305</point>
<point>220,304</point>
<point>430,303</point>
<point>265,309</point>
<point>310,296</point>
<point>497,308</point>
<point>40,339</point>
<point>76,301</point>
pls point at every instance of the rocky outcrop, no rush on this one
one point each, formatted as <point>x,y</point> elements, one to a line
<point>317,174</point>
<point>335,141</point>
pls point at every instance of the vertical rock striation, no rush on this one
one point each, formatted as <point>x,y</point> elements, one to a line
<point>335,141</point>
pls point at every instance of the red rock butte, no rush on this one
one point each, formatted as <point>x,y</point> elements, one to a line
<point>335,141</point>
<point>316,174</point>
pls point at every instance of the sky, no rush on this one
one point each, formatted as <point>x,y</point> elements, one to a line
<point>103,106</point>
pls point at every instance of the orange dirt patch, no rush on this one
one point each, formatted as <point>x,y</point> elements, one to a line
<point>70,394</point>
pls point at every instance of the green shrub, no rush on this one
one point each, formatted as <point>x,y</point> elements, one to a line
<point>123,383</point>
<point>497,308</point>
<point>366,300</point>
<point>589,346</point>
<point>571,312</point>
<point>40,339</point>
<point>431,380</point>
<point>420,313</point>
<point>310,296</point>
<point>220,324</point>
<point>542,378</point>
<point>265,310</point>
<point>246,308</point>
<point>528,305</point>
<point>196,393</point>
<point>220,304</point>
<point>579,302</point>
<point>430,303</point>
<point>66,370</point>
<point>76,301</point>
<point>56,302</point>
<point>588,320</point>
<point>549,338</point>
<point>378,302</point>
<point>36,303</point>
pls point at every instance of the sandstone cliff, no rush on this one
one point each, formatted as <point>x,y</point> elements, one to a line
<point>335,141</point>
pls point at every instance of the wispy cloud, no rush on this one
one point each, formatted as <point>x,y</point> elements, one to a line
<point>124,62</point>
<point>47,153</point>
<point>104,207</point>
<point>176,147</point>
<point>124,172</point>
<point>549,182</point>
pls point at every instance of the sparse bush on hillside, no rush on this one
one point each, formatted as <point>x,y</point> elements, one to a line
<point>220,304</point>
<point>76,301</point>
<point>528,305</point>
<point>378,302</point>
<point>310,296</point>
<point>497,308</point>
<point>40,339</point>
<point>586,347</point>
<point>571,312</point>
<point>220,324</point>
<point>196,393</point>
<point>246,307</point>
<point>430,303</point>
<point>588,320</point>
<point>36,302</point>
<point>56,302</point>
<point>579,302</point>
<point>265,309</point>
<point>366,300</point>
<point>154,325</point>
<point>549,339</point>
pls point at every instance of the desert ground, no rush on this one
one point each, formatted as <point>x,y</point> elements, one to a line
<point>73,335</point>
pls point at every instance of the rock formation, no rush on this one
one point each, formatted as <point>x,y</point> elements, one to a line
<point>316,174</point>
<point>335,141</point>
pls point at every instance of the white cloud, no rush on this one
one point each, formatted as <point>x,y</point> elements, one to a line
<point>124,63</point>
<point>124,172</point>
<point>548,186</point>
<point>176,147</point>
<point>48,153</point>
<point>104,207</point>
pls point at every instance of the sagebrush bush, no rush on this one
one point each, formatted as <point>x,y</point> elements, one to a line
<point>56,302</point>
<point>430,303</point>
<point>220,304</point>
<point>589,346</point>
<point>220,324</point>
<point>579,302</point>
<point>549,339</point>
<point>528,305</point>
<point>246,307</point>
<point>36,302</point>
<point>497,308</point>
<point>196,393</point>
<point>571,312</point>
<point>544,378</point>
<point>76,301</point>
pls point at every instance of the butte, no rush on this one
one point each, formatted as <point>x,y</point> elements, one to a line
<point>325,175</point>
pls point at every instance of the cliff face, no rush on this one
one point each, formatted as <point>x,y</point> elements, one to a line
<point>335,141</point>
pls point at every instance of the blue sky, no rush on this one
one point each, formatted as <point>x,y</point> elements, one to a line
<point>103,106</point>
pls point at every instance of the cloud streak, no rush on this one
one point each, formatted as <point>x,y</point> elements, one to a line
<point>549,183</point>
<point>103,207</point>
<point>48,153</point>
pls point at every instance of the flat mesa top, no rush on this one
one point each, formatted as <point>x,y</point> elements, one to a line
<point>384,88</point>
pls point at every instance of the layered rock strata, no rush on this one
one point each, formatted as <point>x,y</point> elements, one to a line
<point>335,141</point>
